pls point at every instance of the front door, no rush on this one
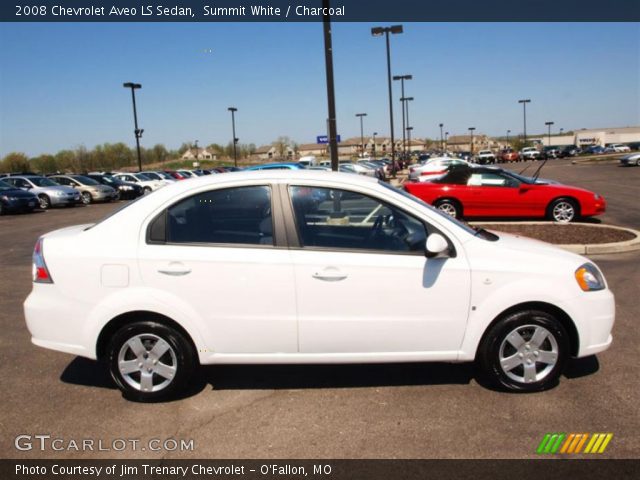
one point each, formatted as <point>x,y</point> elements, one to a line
<point>363,283</point>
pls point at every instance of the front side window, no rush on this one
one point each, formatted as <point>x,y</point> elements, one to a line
<point>240,215</point>
<point>490,179</point>
<point>341,219</point>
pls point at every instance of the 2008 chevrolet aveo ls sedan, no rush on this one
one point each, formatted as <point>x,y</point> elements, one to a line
<point>308,267</point>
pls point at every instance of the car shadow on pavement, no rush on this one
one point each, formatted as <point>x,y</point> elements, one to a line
<point>90,373</point>
<point>274,377</point>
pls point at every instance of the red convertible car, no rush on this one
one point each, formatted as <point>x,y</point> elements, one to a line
<point>493,192</point>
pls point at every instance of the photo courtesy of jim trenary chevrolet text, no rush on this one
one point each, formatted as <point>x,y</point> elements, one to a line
<point>325,239</point>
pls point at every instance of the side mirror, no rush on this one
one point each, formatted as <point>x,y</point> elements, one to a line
<point>436,246</point>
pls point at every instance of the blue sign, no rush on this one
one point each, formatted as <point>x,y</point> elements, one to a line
<point>325,139</point>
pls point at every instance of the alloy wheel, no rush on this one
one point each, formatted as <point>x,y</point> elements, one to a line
<point>563,212</point>
<point>147,362</point>
<point>528,353</point>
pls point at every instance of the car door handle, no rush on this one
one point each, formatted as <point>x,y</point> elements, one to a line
<point>175,270</point>
<point>330,275</point>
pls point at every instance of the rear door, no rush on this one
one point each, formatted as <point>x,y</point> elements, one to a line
<point>217,254</point>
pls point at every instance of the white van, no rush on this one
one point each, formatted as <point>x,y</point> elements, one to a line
<point>308,161</point>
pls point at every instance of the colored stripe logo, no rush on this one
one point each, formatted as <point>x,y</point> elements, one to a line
<point>569,443</point>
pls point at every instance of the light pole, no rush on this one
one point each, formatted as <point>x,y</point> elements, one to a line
<point>409,129</point>
<point>402,78</point>
<point>374,144</point>
<point>233,110</point>
<point>406,101</point>
<point>377,32</point>
<point>548,124</point>
<point>196,148</point>
<point>524,111</point>
<point>441,139</point>
<point>561,130</point>
<point>138,131</point>
<point>446,139</point>
<point>361,115</point>
<point>508,132</point>
<point>471,129</point>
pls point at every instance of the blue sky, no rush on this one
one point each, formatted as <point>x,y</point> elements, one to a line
<point>61,83</point>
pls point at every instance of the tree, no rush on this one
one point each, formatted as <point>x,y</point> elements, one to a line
<point>281,145</point>
<point>15,162</point>
<point>44,164</point>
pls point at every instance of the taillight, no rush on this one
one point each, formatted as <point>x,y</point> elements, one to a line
<point>40,270</point>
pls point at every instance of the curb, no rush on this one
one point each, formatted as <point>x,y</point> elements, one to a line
<point>589,248</point>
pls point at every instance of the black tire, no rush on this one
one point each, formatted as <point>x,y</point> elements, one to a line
<point>450,207</point>
<point>2,209</point>
<point>146,190</point>
<point>86,198</point>
<point>180,358</point>
<point>45,202</point>
<point>563,210</point>
<point>496,345</point>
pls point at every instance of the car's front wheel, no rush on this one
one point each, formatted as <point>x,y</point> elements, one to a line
<point>524,352</point>
<point>45,202</point>
<point>563,210</point>
<point>86,198</point>
<point>150,361</point>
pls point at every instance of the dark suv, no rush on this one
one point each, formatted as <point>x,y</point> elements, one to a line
<point>126,190</point>
<point>570,151</point>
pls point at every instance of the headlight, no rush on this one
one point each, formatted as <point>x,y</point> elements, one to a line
<point>589,278</point>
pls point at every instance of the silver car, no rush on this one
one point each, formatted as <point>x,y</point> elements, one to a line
<point>631,159</point>
<point>49,193</point>
<point>90,190</point>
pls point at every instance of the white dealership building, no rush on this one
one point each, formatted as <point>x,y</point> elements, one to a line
<point>593,136</point>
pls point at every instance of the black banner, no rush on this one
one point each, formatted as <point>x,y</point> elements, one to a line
<point>318,469</point>
<point>312,10</point>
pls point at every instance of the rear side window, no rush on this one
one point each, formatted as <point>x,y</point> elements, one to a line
<point>239,215</point>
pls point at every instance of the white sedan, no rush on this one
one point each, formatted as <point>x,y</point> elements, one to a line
<point>148,185</point>
<point>432,168</point>
<point>308,267</point>
<point>617,148</point>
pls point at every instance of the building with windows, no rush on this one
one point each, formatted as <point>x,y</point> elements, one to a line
<point>593,136</point>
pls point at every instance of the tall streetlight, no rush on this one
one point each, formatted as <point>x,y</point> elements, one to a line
<point>405,101</point>
<point>446,139</point>
<point>524,111</point>
<point>402,78</point>
<point>196,147</point>
<point>548,124</point>
<point>361,115</point>
<point>471,129</point>
<point>441,139</point>
<point>374,144</point>
<point>409,130</point>
<point>377,32</point>
<point>138,131</point>
<point>233,111</point>
<point>508,132</point>
<point>561,130</point>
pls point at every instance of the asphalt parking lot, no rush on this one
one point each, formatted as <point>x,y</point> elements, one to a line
<point>354,411</point>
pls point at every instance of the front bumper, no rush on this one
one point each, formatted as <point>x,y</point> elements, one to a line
<point>21,204</point>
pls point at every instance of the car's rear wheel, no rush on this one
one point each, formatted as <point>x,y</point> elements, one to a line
<point>450,207</point>
<point>150,361</point>
<point>524,352</point>
<point>86,198</point>
<point>147,190</point>
<point>45,202</point>
<point>563,210</point>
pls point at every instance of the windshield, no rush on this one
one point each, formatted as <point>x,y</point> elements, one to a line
<point>85,180</point>
<point>43,182</point>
